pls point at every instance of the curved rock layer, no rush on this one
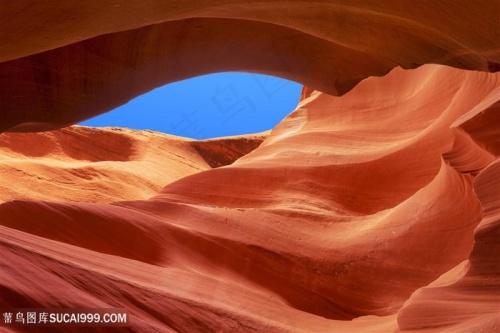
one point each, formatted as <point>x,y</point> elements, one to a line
<point>466,299</point>
<point>86,164</point>
<point>96,56</point>
<point>352,216</point>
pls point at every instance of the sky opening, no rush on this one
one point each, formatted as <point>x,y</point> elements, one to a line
<point>208,106</point>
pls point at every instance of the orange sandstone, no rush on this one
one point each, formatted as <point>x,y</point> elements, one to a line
<point>357,213</point>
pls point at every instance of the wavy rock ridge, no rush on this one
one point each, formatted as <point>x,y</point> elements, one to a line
<point>86,164</point>
<point>385,193</point>
<point>375,211</point>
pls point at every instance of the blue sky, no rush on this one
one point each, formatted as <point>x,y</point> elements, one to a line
<point>208,106</point>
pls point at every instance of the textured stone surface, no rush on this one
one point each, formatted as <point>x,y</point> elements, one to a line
<point>353,208</point>
<point>96,56</point>
<point>374,211</point>
<point>86,164</point>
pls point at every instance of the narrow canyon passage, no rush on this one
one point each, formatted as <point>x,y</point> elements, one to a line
<point>336,214</point>
<point>372,207</point>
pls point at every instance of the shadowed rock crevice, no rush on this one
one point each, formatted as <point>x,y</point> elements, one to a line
<point>224,151</point>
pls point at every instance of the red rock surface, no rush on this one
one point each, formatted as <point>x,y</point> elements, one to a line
<point>94,57</point>
<point>343,220</point>
<point>374,211</point>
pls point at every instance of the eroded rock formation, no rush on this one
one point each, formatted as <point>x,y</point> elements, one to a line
<point>379,201</point>
<point>94,57</point>
<point>374,211</point>
<point>85,164</point>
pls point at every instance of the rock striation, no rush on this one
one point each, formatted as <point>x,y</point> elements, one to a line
<point>375,211</point>
<point>373,207</point>
<point>85,164</point>
<point>92,58</point>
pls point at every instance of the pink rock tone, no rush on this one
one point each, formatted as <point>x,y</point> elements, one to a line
<point>352,215</point>
<point>373,207</point>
